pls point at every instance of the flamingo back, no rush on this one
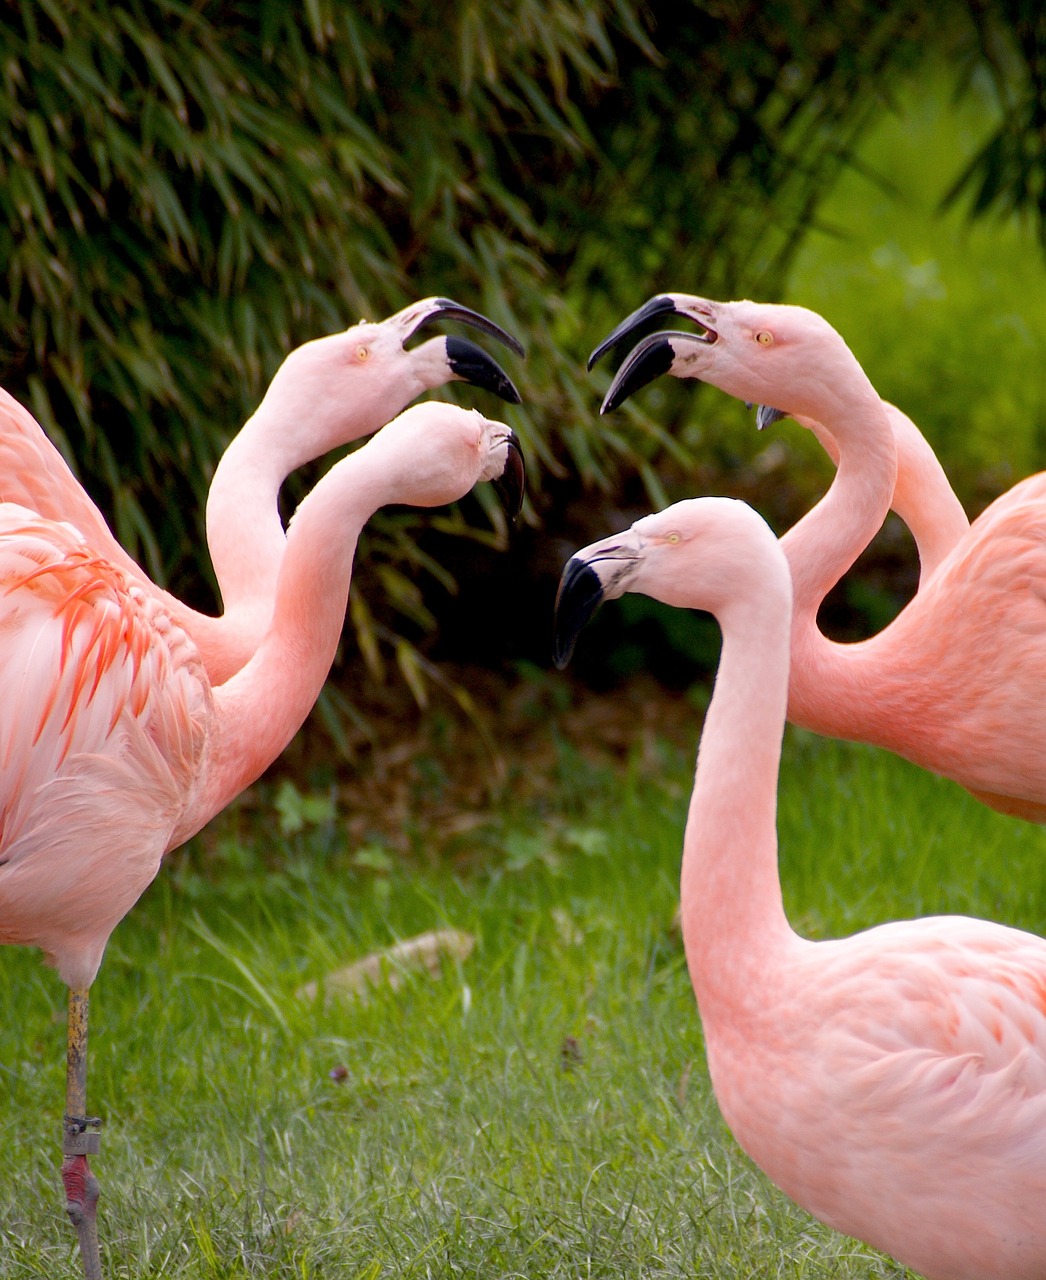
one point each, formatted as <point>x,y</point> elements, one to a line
<point>915,1047</point>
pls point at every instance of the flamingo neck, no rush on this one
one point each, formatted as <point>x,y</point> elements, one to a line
<point>830,537</point>
<point>245,534</point>
<point>733,921</point>
<point>923,496</point>
<point>259,709</point>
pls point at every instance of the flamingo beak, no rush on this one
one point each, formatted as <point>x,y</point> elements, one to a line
<point>472,364</point>
<point>766,417</point>
<point>579,596</point>
<point>511,485</point>
<point>640,323</point>
<point>648,360</point>
<point>422,313</point>
<point>598,573</point>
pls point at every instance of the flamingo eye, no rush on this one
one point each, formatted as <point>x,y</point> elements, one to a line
<point>362,352</point>
<point>764,337</point>
<point>673,538</point>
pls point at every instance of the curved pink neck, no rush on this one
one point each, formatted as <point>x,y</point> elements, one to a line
<point>827,691</point>
<point>261,707</point>
<point>294,424</point>
<point>733,920</point>
<point>923,496</point>
<point>245,534</point>
<point>830,537</point>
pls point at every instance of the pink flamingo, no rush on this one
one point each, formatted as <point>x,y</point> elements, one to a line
<point>326,393</point>
<point>923,496</point>
<point>893,1083</point>
<point>953,682</point>
<point>115,747</point>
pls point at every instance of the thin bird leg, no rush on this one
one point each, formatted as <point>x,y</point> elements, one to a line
<point>81,1186</point>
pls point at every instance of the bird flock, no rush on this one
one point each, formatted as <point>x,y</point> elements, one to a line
<point>893,1083</point>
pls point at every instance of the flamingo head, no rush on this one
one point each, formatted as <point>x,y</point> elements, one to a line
<point>702,553</point>
<point>762,353</point>
<point>339,388</point>
<point>434,453</point>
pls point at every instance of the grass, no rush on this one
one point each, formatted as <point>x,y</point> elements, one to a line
<point>541,1109</point>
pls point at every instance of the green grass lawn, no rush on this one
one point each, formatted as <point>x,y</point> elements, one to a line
<point>540,1110</point>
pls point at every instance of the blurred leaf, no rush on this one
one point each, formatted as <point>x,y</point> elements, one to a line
<point>298,810</point>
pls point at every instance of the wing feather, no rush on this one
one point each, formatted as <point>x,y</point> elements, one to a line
<point>104,713</point>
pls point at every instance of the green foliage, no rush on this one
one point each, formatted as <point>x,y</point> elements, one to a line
<point>947,317</point>
<point>1007,172</point>
<point>187,190</point>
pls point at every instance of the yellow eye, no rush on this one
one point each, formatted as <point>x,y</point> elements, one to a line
<point>362,353</point>
<point>764,338</point>
<point>673,538</point>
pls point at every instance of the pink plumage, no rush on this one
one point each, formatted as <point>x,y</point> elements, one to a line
<point>105,710</point>
<point>114,745</point>
<point>953,683</point>
<point>326,393</point>
<point>892,1083</point>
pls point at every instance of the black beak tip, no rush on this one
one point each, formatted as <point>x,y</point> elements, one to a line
<point>511,485</point>
<point>472,364</point>
<point>448,309</point>
<point>641,322</point>
<point>650,359</point>
<point>562,652</point>
<point>766,416</point>
<point>580,595</point>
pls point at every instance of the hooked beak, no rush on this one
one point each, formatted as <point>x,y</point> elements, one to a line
<point>472,364</point>
<point>648,360</point>
<point>511,485</point>
<point>598,573</point>
<point>641,322</point>
<point>419,314</point>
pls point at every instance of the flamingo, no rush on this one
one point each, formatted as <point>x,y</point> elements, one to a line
<point>326,393</point>
<point>115,745</point>
<point>923,496</point>
<point>892,1083</point>
<point>953,683</point>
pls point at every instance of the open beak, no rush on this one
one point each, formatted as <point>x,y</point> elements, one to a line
<point>599,572</point>
<point>640,323</point>
<point>648,360</point>
<point>511,485</point>
<point>419,314</point>
<point>472,364</point>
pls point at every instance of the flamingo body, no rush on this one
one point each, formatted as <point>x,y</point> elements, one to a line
<point>903,1096</point>
<point>114,746</point>
<point>893,1083</point>
<point>954,682</point>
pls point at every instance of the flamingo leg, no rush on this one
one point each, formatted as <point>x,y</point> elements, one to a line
<point>81,1186</point>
